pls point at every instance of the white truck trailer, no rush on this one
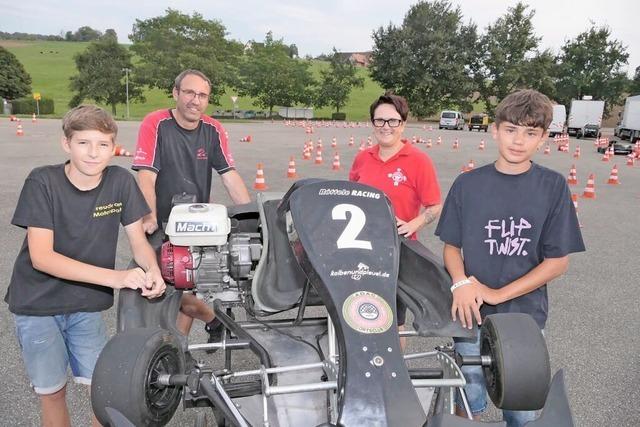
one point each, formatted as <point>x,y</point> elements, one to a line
<point>630,125</point>
<point>584,112</point>
<point>559,120</point>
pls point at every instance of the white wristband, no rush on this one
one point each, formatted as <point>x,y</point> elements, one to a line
<point>460,283</point>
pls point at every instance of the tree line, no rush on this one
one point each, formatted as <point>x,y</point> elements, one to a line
<point>432,58</point>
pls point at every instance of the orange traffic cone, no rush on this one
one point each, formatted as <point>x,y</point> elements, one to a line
<point>439,140</point>
<point>33,118</point>
<point>318,157</point>
<point>630,159</point>
<point>334,142</point>
<point>260,183</point>
<point>481,146</point>
<point>590,189</point>
<point>613,177</point>
<point>351,141</point>
<point>576,154</point>
<point>470,165</point>
<point>369,142</point>
<point>573,178</point>
<point>547,150</point>
<point>121,151</point>
<point>456,144</point>
<point>361,146</point>
<point>605,157</point>
<point>336,162</point>
<point>429,144</point>
<point>19,131</point>
<point>291,171</point>
<point>574,199</point>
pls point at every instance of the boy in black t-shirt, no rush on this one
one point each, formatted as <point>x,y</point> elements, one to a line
<point>64,274</point>
<point>508,228</point>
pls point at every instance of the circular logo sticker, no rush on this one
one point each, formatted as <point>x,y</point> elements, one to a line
<point>367,312</point>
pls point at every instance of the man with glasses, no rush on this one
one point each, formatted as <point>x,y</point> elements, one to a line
<point>176,152</point>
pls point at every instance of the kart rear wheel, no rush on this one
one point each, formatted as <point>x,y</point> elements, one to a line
<point>518,377</point>
<point>126,377</point>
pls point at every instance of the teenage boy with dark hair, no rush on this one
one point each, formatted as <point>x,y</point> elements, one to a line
<point>508,228</point>
<point>64,274</point>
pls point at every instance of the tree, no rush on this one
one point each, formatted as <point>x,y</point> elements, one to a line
<point>269,75</point>
<point>110,33</point>
<point>592,64</point>
<point>337,81</point>
<point>634,84</point>
<point>100,75</point>
<point>511,59</point>
<point>427,59</point>
<point>15,82</point>
<point>167,45</point>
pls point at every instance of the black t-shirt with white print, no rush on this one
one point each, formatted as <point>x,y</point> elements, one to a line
<point>506,225</point>
<point>85,227</point>
<point>183,159</point>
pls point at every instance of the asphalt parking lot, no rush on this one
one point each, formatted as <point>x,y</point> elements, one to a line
<point>594,313</point>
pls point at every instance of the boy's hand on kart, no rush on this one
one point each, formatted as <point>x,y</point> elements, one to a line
<point>467,300</point>
<point>154,284</point>
<point>132,279</point>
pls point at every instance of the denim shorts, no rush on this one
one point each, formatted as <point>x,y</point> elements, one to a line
<point>50,344</point>
<point>476,389</point>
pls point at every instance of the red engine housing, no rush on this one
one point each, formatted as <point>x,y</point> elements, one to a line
<point>176,265</point>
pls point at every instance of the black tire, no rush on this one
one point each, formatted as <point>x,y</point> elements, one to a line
<point>519,376</point>
<point>579,135</point>
<point>125,375</point>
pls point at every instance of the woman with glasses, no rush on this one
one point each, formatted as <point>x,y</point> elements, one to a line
<point>404,173</point>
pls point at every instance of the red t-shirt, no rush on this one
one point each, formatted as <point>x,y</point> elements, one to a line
<point>408,178</point>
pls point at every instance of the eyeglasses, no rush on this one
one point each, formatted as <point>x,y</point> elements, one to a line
<point>191,94</point>
<point>393,123</point>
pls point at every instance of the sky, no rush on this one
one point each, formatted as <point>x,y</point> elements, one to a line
<point>318,26</point>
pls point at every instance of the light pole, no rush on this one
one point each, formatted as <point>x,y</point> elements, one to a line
<point>126,79</point>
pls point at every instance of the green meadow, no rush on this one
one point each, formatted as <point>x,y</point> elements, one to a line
<point>50,65</point>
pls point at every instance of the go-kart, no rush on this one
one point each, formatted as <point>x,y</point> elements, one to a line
<point>332,244</point>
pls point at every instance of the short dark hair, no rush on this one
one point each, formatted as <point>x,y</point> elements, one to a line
<point>525,107</point>
<point>190,72</point>
<point>398,102</point>
<point>88,117</point>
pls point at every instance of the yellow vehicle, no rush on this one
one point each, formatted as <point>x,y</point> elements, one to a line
<point>479,121</point>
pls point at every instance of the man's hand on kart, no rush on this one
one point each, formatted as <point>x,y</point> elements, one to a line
<point>149,224</point>
<point>467,301</point>
<point>154,283</point>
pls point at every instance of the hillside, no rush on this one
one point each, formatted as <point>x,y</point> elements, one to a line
<point>50,65</point>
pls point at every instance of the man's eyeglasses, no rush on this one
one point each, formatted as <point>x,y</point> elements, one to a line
<point>203,97</point>
<point>393,123</point>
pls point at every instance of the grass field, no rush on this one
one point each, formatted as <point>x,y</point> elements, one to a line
<point>50,65</point>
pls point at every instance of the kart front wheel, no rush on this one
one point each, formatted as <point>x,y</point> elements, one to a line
<point>126,377</point>
<point>519,375</point>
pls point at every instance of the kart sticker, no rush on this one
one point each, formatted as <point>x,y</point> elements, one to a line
<point>367,313</point>
<point>363,270</point>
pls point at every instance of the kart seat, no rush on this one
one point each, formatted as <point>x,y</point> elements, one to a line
<point>278,282</point>
<point>423,286</point>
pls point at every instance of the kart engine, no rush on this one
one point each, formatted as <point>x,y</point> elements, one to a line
<point>203,253</point>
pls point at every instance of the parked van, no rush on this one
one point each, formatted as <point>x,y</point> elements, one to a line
<point>479,121</point>
<point>451,120</point>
